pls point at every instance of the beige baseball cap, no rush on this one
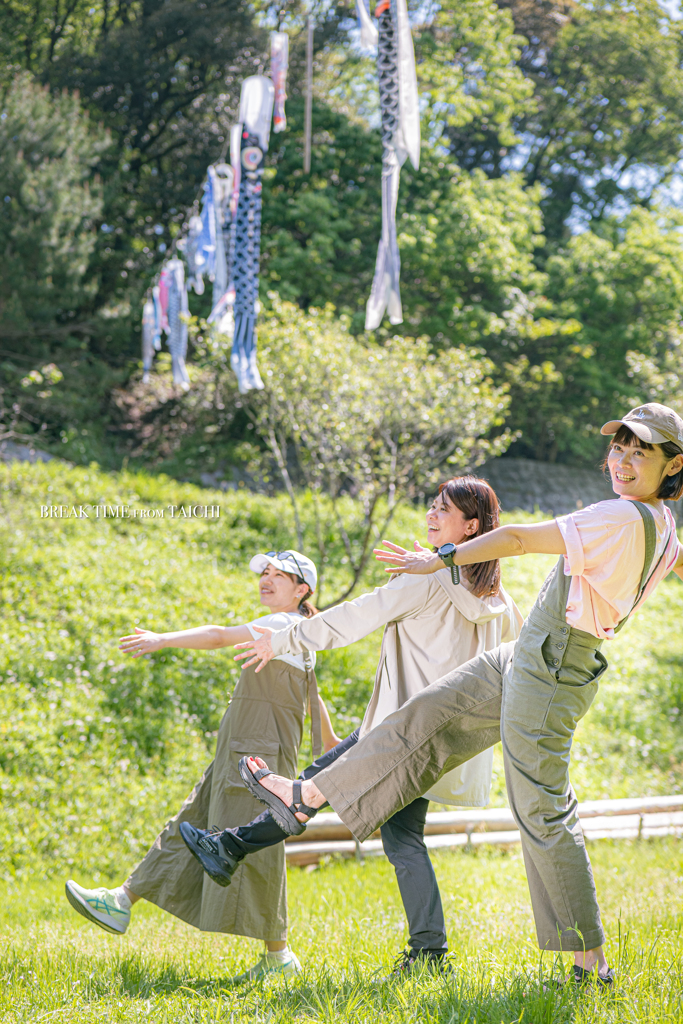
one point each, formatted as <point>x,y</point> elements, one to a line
<point>653,423</point>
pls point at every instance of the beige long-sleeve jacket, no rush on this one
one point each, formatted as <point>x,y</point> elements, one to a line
<point>432,627</point>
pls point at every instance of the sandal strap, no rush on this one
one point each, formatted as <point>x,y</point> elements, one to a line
<point>605,980</point>
<point>582,976</point>
<point>310,812</point>
<point>261,773</point>
<point>297,804</point>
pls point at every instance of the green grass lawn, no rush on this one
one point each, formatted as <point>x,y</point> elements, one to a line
<point>346,926</point>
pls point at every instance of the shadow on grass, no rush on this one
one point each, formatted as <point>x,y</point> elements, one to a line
<point>484,993</point>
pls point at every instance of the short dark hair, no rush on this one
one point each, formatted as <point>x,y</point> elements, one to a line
<point>476,499</point>
<point>671,487</point>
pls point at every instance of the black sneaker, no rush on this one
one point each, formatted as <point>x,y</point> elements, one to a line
<point>206,847</point>
<point>416,960</point>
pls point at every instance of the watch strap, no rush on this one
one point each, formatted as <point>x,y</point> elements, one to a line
<point>448,562</point>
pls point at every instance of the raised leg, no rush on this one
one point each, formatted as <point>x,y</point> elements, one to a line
<point>439,728</point>
<point>264,831</point>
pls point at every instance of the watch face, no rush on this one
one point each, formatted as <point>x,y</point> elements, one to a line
<point>446,549</point>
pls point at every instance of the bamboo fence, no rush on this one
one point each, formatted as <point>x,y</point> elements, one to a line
<point>327,836</point>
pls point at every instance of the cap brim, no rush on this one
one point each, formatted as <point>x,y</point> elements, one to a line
<point>611,427</point>
<point>259,562</point>
<point>641,430</point>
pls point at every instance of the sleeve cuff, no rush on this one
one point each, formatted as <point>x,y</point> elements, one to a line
<point>575,562</point>
<point>279,641</point>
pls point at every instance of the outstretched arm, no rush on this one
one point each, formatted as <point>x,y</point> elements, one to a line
<point>201,638</point>
<point>505,542</point>
<point>339,626</point>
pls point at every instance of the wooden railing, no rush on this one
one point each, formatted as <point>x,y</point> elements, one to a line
<point>327,835</point>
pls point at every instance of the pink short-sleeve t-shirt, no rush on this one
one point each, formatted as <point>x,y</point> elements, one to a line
<point>605,553</point>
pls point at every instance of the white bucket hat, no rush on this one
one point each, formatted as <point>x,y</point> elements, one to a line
<point>287,561</point>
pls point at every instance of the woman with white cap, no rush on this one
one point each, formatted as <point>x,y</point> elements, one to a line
<point>266,713</point>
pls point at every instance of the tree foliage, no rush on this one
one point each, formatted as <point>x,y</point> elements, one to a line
<point>365,427</point>
<point>611,292</point>
<point>316,228</point>
<point>604,132</point>
<point>468,71</point>
<point>49,207</point>
<point>540,120</point>
<point>50,204</point>
<point>467,246</point>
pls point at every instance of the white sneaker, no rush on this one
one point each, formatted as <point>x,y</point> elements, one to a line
<point>268,965</point>
<point>101,906</point>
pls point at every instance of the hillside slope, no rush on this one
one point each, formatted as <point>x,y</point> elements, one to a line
<point>96,749</point>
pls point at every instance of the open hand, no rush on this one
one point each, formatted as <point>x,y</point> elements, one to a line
<point>420,562</point>
<point>260,651</point>
<point>142,641</point>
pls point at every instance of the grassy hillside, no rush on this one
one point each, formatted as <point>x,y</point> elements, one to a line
<point>96,750</point>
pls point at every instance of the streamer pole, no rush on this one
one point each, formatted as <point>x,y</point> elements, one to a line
<point>308,122</point>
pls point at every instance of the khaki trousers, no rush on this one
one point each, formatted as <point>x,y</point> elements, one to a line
<point>530,694</point>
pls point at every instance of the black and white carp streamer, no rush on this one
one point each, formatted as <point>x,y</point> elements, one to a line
<point>400,139</point>
<point>256,109</point>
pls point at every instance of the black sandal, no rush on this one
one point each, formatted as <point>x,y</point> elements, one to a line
<point>284,815</point>
<point>584,977</point>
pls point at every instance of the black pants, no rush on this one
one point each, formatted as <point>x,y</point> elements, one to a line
<point>403,842</point>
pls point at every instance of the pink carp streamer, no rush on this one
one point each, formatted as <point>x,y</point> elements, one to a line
<point>279,63</point>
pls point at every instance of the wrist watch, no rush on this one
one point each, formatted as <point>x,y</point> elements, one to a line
<point>447,553</point>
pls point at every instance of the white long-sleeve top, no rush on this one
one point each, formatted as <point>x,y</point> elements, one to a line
<point>432,627</point>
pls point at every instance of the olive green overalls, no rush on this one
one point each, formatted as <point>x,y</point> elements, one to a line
<point>530,694</point>
<point>265,718</point>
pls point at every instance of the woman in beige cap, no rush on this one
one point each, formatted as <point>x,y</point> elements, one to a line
<point>530,693</point>
<point>266,713</point>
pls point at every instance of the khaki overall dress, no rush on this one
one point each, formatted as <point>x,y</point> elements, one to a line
<point>265,717</point>
<point>530,694</point>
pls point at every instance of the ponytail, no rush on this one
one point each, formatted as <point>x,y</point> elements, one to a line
<point>305,606</point>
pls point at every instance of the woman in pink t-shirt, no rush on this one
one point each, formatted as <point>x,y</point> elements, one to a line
<point>530,693</point>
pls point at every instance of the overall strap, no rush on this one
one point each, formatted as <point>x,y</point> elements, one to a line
<point>650,548</point>
<point>313,707</point>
